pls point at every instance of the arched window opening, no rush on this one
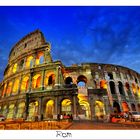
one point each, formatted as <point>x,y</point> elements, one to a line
<point>134,88</point>
<point>4,90</point>
<point>25,83</point>
<point>125,107</point>
<point>121,89</point>
<point>103,84</point>
<point>40,58</point>
<point>20,110</point>
<point>50,109</point>
<point>4,110</point>
<point>33,110</point>
<point>136,81</point>
<point>133,107</point>
<point>112,87</point>
<point>128,88</point>
<point>138,91</point>
<point>81,81</point>
<point>116,107</point>
<point>99,110</point>
<point>95,84</point>
<point>9,71</point>
<point>9,88</point>
<point>110,75</point>
<point>50,79</point>
<point>11,109</point>
<point>15,68</point>
<point>84,108</point>
<point>68,81</point>
<point>138,107</point>
<point>29,62</point>
<point>16,85</point>
<point>21,65</point>
<point>36,83</point>
<point>66,107</point>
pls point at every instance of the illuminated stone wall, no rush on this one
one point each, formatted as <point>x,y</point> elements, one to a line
<point>36,86</point>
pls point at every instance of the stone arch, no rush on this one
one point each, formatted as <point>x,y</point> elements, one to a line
<point>116,107</point>
<point>66,106</point>
<point>36,81</point>
<point>50,79</point>
<point>4,110</point>
<point>121,89</point>
<point>11,110</point>
<point>29,61</point>
<point>99,109</point>
<point>25,83</point>
<point>9,88</point>
<point>4,89</point>
<point>68,81</point>
<point>16,86</point>
<point>103,84</point>
<point>134,88</point>
<point>81,80</point>
<point>33,110</point>
<point>40,58</point>
<point>133,107</point>
<point>127,86</point>
<point>14,70</point>
<point>49,109</point>
<point>110,75</point>
<point>112,87</point>
<point>125,107</point>
<point>20,110</point>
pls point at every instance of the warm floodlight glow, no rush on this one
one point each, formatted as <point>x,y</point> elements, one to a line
<point>29,62</point>
<point>24,84</point>
<point>40,58</point>
<point>16,85</point>
<point>36,82</point>
<point>15,68</point>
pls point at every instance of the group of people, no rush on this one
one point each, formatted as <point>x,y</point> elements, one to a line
<point>61,117</point>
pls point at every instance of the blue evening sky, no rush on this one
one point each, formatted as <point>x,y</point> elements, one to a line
<point>77,34</point>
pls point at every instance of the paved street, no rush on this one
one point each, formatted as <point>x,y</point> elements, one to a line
<point>88,125</point>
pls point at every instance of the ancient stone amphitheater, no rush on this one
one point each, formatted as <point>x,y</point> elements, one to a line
<point>35,86</point>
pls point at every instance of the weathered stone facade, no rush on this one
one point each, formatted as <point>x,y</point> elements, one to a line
<point>36,86</point>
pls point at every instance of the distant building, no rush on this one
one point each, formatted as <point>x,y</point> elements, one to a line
<point>36,86</point>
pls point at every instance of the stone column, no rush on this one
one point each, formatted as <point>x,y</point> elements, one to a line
<point>12,87</point>
<point>57,83</point>
<point>91,106</point>
<point>34,60</point>
<point>42,81</point>
<point>133,96</point>
<point>93,110</point>
<point>74,108</point>
<point>40,109</point>
<point>109,93</point>
<point>118,95</point>
<point>19,86</point>
<point>30,82</point>
<point>56,108</point>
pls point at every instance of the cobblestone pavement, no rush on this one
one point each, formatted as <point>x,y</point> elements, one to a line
<point>89,125</point>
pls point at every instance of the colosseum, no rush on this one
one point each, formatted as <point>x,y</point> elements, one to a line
<point>35,85</point>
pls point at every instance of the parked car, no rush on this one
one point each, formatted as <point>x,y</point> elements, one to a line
<point>115,118</point>
<point>2,118</point>
<point>134,116</point>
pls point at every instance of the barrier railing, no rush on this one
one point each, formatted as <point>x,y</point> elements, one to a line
<point>43,125</point>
